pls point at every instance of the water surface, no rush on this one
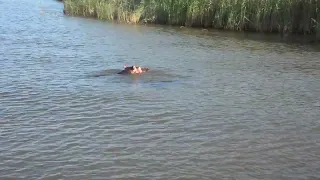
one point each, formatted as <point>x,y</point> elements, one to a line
<point>215,105</point>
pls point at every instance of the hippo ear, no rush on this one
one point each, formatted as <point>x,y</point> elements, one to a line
<point>125,66</point>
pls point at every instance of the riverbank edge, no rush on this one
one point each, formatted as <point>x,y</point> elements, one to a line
<point>134,19</point>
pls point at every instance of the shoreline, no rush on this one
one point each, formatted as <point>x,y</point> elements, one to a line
<point>104,11</point>
<point>250,35</point>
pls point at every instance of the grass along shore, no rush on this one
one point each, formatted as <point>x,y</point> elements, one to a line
<point>278,16</point>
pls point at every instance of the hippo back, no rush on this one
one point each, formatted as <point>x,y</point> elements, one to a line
<point>145,69</point>
<point>123,72</point>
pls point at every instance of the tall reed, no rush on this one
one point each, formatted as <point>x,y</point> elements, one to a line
<point>293,16</point>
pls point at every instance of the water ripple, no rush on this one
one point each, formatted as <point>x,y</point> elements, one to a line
<point>212,107</point>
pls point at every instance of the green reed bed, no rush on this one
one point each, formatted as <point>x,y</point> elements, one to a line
<point>120,10</point>
<point>292,16</point>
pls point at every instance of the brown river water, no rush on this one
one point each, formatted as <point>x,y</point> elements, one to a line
<point>216,105</point>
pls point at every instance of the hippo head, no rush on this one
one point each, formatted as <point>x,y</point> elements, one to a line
<point>130,70</point>
<point>134,70</point>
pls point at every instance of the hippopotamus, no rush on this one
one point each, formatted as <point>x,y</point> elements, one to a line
<point>133,70</point>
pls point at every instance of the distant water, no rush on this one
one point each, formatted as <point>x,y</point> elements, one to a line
<point>215,105</point>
